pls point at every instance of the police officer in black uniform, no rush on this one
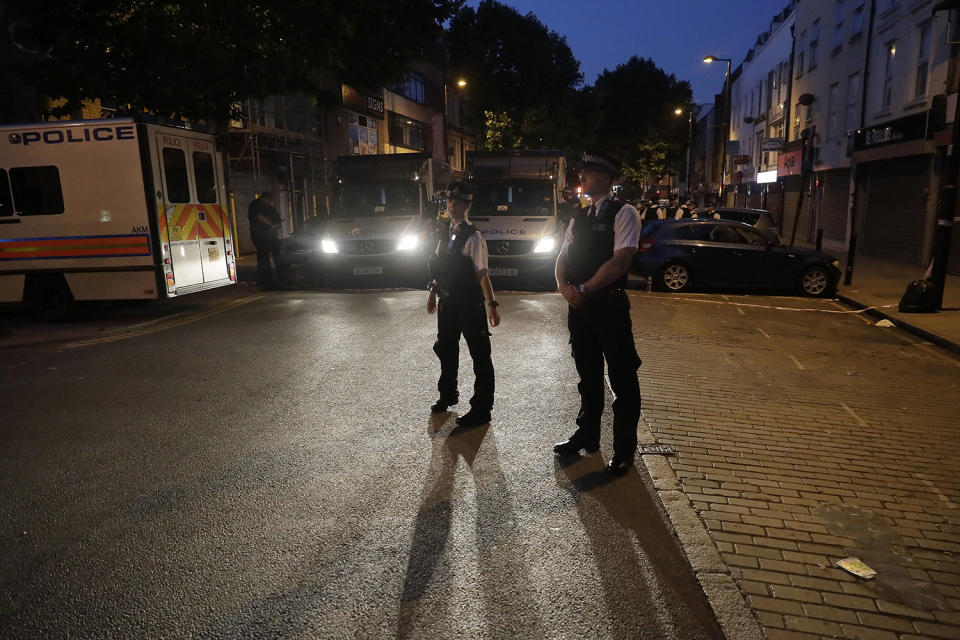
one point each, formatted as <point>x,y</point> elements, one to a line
<point>591,274</point>
<point>462,297</point>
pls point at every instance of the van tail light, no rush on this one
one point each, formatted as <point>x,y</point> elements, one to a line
<point>646,244</point>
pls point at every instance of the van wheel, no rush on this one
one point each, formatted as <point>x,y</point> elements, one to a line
<point>815,281</point>
<point>675,277</point>
<point>50,299</point>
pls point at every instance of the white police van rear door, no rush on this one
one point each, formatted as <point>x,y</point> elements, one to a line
<point>192,210</point>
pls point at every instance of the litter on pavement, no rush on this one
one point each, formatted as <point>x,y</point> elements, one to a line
<point>857,567</point>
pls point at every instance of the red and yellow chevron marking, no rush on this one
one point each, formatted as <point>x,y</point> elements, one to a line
<point>213,224</point>
<point>75,247</point>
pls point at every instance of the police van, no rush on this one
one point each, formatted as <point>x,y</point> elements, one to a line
<point>116,209</point>
<point>515,207</point>
<point>383,220</point>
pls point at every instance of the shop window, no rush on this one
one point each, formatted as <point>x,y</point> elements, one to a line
<point>204,178</point>
<point>37,191</point>
<point>362,133</point>
<point>406,132</point>
<point>6,201</point>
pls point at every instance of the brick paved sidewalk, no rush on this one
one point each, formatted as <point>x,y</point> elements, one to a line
<point>797,449</point>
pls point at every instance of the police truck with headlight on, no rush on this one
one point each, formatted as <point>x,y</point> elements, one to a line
<point>383,220</point>
<point>117,209</point>
<point>515,208</point>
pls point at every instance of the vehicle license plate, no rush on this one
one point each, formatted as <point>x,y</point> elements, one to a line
<point>502,272</point>
<point>367,271</point>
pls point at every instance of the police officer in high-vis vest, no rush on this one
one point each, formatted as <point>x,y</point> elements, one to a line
<point>462,297</point>
<point>591,271</point>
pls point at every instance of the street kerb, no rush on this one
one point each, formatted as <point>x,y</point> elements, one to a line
<point>732,613</point>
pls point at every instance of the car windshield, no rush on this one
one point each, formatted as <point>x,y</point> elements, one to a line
<point>377,199</point>
<point>513,198</point>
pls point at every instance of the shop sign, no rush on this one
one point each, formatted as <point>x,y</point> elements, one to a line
<point>771,144</point>
<point>748,174</point>
<point>789,164</point>
<point>368,103</point>
<point>740,159</point>
<point>767,176</point>
<point>900,130</point>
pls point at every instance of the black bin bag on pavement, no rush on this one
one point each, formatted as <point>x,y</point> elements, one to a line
<point>920,297</point>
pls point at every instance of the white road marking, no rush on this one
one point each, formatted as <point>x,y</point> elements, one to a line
<point>764,333</point>
<point>934,488</point>
<point>853,413</point>
<point>741,311</point>
<point>797,362</point>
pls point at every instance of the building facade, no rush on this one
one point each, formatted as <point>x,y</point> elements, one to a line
<point>760,98</point>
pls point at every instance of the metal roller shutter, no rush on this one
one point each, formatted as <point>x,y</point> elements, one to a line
<point>896,208</point>
<point>833,205</point>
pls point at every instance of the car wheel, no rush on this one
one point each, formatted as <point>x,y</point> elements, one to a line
<point>675,277</point>
<point>815,281</point>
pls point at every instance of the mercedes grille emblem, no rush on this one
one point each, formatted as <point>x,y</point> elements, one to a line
<point>504,248</point>
<point>366,247</point>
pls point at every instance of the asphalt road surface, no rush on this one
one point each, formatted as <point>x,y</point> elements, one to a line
<point>269,468</point>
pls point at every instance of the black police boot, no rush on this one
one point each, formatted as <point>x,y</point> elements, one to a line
<point>574,445</point>
<point>441,405</point>
<point>620,464</point>
<point>473,418</point>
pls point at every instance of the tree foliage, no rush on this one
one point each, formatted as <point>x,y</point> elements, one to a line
<point>637,102</point>
<point>198,58</point>
<point>520,72</point>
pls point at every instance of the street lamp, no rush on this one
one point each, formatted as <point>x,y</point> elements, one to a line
<point>462,84</point>
<point>709,59</point>
<point>679,111</point>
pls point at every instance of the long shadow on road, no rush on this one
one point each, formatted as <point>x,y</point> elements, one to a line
<point>648,587</point>
<point>504,576</point>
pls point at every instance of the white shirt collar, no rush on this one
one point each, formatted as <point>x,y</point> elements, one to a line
<point>599,203</point>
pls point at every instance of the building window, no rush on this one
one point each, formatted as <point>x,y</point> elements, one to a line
<point>886,97</point>
<point>413,87</point>
<point>406,132</point>
<point>796,122</point>
<point>923,62</point>
<point>801,52</point>
<point>362,134</point>
<point>833,111</point>
<point>853,102</point>
<point>856,22</point>
<point>839,13</point>
<point>771,88</point>
<point>37,191</point>
<point>814,42</point>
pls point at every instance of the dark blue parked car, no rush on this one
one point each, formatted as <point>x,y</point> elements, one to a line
<point>681,254</point>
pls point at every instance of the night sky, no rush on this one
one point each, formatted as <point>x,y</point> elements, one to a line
<point>676,34</point>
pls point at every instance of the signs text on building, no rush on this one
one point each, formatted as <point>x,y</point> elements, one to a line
<point>900,130</point>
<point>789,164</point>
<point>368,103</point>
<point>771,144</point>
<point>740,159</point>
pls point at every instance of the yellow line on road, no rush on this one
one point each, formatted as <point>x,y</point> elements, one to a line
<point>177,321</point>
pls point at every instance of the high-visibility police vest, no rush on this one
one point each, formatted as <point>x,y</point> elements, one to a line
<point>592,243</point>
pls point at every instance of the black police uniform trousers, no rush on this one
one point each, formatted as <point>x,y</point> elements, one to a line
<point>268,253</point>
<point>601,330</point>
<point>468,317</point>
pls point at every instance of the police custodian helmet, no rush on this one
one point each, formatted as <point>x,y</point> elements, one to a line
<point>459,190</point>
<point>600,160</point>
